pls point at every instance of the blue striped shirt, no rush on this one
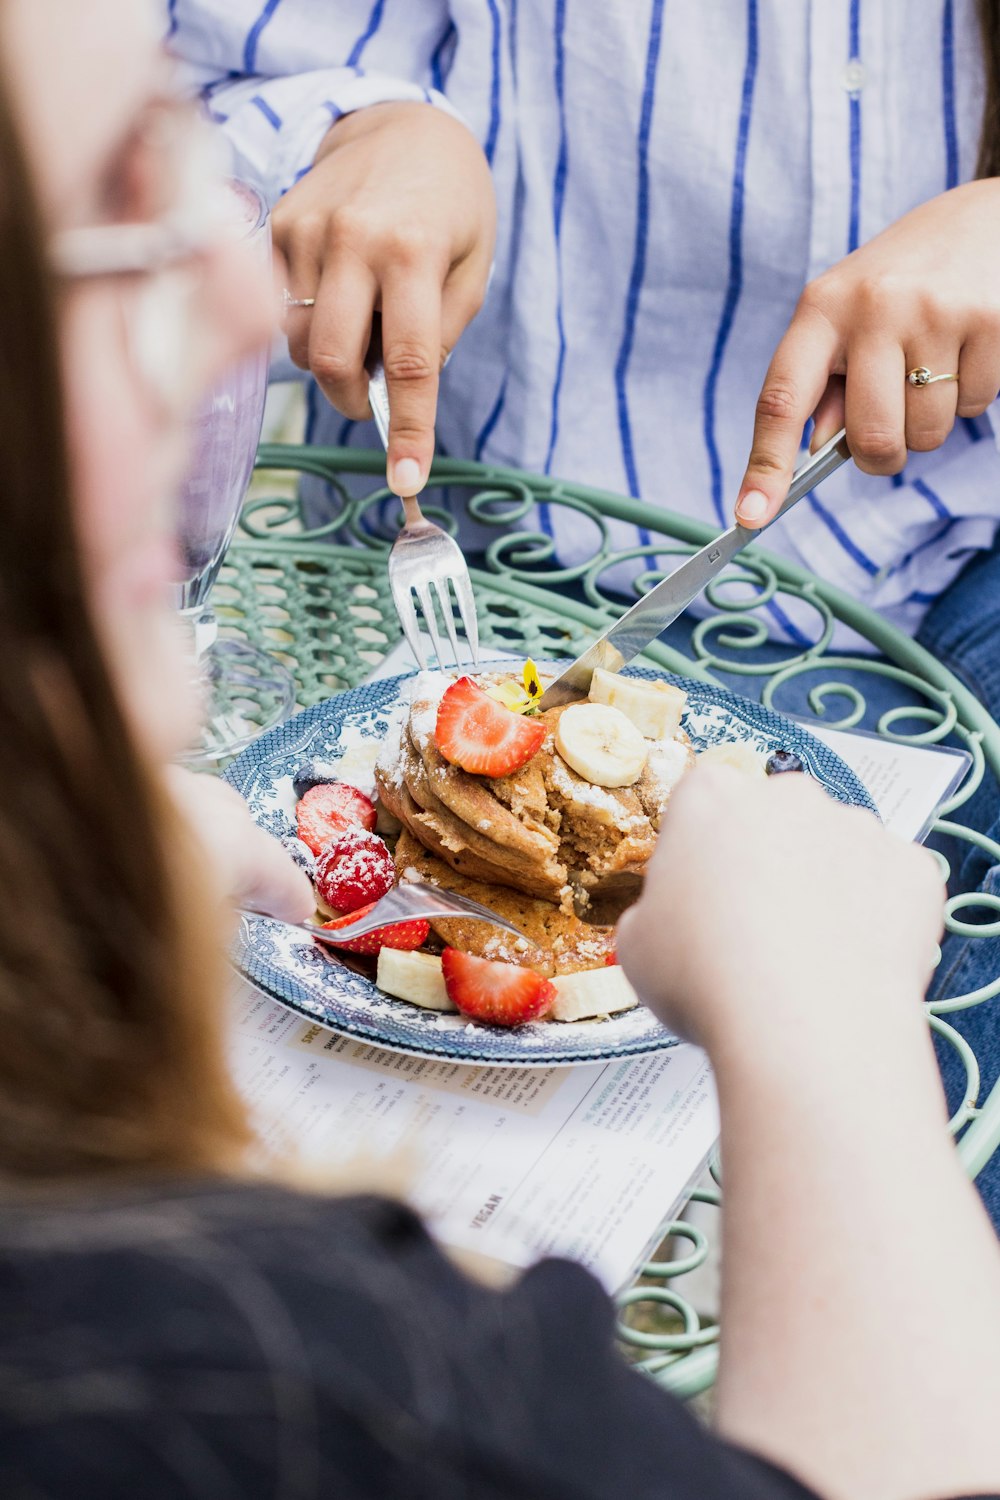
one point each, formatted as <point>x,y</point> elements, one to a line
<point>670,174</point>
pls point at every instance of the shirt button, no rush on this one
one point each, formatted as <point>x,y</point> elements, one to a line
<point>853,76</point>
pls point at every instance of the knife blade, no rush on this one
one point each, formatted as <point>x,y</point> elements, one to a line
<point>661,606</point>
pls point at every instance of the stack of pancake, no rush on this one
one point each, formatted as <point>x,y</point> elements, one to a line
<point>557,855</point>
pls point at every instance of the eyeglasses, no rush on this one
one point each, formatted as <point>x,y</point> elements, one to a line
<point>170,181</point>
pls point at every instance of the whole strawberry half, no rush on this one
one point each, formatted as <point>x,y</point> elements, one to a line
<point>328,809</point>
<point>499,993</point>
<point>354,869</point>
<point>476,732</point>
<point>403,935</point>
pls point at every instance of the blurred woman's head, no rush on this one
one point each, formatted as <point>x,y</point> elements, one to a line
<point>109,1046</point>
<point>107,147</point>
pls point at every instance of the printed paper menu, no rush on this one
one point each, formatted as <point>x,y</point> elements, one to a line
<point>508,1163</point>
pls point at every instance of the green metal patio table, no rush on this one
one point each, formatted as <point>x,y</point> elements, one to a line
<point>319,600</point>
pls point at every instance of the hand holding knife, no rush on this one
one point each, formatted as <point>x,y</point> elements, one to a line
<point>656,610</point>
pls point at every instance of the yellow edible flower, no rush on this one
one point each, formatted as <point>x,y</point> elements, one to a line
<point>532,685</point>
<point>520,700</point>
<point>511,696</point>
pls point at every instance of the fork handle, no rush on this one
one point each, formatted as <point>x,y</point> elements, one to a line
<point>378,400</point>
<point>412,513</point>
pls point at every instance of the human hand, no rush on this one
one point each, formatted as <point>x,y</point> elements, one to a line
<point>250,867</point>
<point>923,292</point>
<point>397,216</point>
<point>770,914</point>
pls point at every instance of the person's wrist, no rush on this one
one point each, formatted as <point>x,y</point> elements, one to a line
<point>361,121</point>
<point>808,1043</point>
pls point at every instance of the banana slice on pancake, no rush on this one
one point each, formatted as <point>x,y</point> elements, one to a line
<point>600,744</point>
<point>654,708</point>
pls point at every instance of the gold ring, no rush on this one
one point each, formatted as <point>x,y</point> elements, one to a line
<point>289,301</point>
<point>922,376</point>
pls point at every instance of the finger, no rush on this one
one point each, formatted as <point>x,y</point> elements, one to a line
<point>978,375</point>
<point>272,883</point>
<point>301,278</point>
<point>340,332</point>
<point>250,866</point>
<point>412,356</point>
<point>875,405</point>
<point>297,322</point>
<point>930,409</point>
<point>463,296</point>
<point>795,381</point>
<point>828,418</point>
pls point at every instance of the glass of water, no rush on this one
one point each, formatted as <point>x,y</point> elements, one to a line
<point>245,690</point>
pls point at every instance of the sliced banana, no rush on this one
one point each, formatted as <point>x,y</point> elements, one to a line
<point>592,992</point>
<point>736,753</point>
<point>413,976</point>
<point>654,708</point>
<point>600,744</point>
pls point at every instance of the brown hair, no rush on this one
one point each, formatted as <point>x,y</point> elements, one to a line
<point>110,1043</point>
<point>989,142</point>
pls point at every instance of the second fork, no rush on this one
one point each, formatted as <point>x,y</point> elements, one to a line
<point>424,556</point>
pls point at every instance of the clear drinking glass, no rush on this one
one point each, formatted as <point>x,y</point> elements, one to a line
<point>245,690</point>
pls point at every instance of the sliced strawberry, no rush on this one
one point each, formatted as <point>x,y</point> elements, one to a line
<point>328,809</point>
<point>354,869</point>
<point>501,994</point>
<point>477,733</point>
<point>404,935</point>
<point>611,957</point>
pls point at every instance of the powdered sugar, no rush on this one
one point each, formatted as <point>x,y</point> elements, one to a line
<point>667,762</point>
<point>354,868</point>
<point>586,794</point>
<point>389,754</point>
<point>500,947</point>
<point>428,690</point>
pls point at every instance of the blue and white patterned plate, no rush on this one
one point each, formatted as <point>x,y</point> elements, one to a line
<point>348,731</point>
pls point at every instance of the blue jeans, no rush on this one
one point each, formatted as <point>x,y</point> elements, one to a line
<point>962,629</point>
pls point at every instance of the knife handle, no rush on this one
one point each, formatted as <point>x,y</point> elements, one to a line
<point>817,468</point>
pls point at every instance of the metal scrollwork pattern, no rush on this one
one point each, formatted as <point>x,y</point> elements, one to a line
<point>318,597</point>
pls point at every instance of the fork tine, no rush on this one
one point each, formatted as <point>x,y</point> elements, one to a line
<point>423,592</point>
<point>403,601</point>
<point>467,609</point>
<point>444,597</point>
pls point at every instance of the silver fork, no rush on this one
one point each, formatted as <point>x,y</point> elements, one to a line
<point>405,902</point>
<point>423,554</point>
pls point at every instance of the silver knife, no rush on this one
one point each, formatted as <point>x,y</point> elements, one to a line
<point>657,609</point>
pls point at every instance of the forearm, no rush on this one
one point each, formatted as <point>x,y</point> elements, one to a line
<point>841,1358</point>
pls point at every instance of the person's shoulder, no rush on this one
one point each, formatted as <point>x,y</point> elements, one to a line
<point>262,1321</point>
<point>171,1216</point>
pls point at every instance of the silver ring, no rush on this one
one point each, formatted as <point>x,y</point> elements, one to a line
<point>287,300</point>
<point>922,376</point>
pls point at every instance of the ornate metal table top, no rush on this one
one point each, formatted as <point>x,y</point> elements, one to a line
<point>319,599</point>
